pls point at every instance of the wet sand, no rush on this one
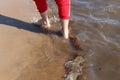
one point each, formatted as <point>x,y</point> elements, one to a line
<point>26,52</point>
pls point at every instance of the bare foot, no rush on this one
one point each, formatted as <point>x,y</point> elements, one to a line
<point>43,23</point>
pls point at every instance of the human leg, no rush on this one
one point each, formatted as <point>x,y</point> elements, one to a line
<point>42,8</point>
<point>64,14</point>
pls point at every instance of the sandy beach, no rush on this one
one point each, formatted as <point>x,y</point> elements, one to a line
<point>26,52</point>
<point>29,52</point>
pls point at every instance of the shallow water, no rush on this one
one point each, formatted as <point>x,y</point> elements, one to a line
<point>97,24</point>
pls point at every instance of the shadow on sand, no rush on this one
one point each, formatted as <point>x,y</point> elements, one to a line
<point>26,26</point>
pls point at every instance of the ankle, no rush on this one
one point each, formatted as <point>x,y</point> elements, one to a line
<point>65,33</point>
<point>46,22</point>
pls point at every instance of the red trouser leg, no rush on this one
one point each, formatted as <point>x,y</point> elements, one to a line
<point>41,5</point>
<point>63,8</point>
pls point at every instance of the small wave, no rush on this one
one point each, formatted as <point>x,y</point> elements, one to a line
<point>110,40</point>
<point>101,5</point>
<point>105,20</point>
<point>88,18</point>
<point>112,6</point>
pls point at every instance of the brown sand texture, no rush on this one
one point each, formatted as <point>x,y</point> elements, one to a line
<point>26,52</point>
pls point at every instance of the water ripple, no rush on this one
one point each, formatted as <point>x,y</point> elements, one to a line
<point>105,20</point>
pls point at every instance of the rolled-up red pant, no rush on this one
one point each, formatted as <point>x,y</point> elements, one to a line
<point>63,7</point>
